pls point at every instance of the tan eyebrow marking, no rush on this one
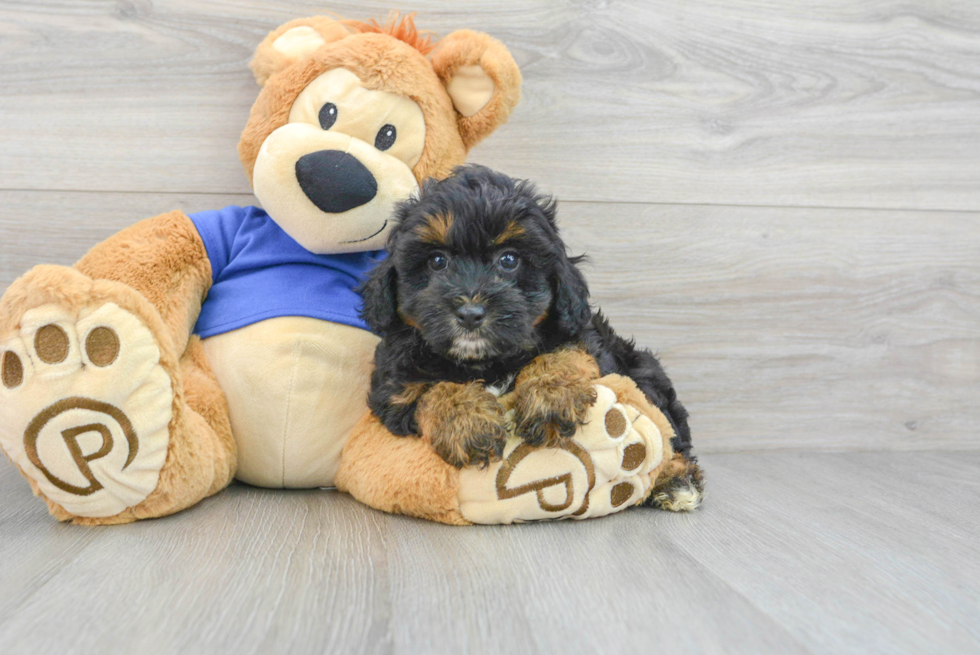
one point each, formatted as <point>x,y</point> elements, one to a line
<point>435,229</point>
<point>512,231</point>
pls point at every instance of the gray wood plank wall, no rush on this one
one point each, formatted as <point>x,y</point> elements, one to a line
<point>782,198</point>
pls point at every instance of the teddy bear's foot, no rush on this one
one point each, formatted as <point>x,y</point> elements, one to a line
<point>609,465</point>
<point>87,400</point>
<point>86,407</point>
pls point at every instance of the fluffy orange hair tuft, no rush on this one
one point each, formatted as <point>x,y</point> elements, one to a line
<point>400,27</point>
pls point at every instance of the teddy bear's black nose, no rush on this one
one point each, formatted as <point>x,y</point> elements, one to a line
<point>335,181</point>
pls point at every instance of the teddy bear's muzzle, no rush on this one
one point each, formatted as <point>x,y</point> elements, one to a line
<point>335,181</point>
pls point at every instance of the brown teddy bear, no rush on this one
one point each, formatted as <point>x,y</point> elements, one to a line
<point>186,351</point>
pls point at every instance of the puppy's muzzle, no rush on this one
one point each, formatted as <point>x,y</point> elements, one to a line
<point>335,181</point>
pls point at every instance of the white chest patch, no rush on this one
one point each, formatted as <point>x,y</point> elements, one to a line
<point>501,387</point>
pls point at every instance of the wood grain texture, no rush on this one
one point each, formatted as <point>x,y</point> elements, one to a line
<point>793,553</point>
<point>56,227</point>
<point>825,103</point>
<point>782,328</point>
<point>799,328</point>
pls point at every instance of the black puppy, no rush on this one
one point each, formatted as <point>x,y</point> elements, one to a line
<point>478,297</point>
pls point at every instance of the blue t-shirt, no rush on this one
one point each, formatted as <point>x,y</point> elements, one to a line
<point>260,272</point>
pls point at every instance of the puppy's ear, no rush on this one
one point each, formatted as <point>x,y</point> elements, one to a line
<point>571,305</point>
<point>571,293</point>
<point>380,309</point>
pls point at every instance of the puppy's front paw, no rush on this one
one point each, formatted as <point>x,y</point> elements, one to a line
<point>463,423</point>
<point>549,409</point>
<point>553,395</point>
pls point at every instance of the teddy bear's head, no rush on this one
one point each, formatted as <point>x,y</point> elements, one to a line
<point>353,116</point>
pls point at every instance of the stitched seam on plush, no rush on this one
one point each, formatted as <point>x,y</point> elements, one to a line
<point>289,402</point>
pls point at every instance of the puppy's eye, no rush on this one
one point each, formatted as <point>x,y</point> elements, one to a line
<point>328,115</point>
<point>509,261</point>
<point>386,137</point>
<point>438,261</point>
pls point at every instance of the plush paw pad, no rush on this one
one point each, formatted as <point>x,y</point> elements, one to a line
<point>85,407</point>
<point>608,466</point>
<point>626,448</point>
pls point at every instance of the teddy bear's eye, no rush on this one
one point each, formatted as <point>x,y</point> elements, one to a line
<point>328,115</point>
<point>386,137</point>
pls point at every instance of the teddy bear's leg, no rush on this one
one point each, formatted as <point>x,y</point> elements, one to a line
<point>208,416</point>
<point>94,409</point>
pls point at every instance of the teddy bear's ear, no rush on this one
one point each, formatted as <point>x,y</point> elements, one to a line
<point>296,40</point>
<point>482,79</point>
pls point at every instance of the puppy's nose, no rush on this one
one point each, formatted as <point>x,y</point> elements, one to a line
<point>470,316</point>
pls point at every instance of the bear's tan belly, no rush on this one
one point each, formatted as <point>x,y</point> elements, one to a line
<point>295,387</point>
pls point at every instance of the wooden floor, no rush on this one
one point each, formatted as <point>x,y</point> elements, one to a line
<point>782,198</point>
<point>793,553</point>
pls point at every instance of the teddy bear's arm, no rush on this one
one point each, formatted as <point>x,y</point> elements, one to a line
<point>163,258</point>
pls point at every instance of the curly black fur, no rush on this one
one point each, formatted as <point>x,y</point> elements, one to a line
<point>536,308</point>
